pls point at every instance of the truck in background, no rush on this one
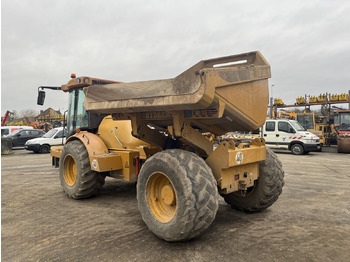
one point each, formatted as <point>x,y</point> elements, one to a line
<point>289,135</point>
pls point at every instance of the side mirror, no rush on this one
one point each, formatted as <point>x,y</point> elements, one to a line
<point>18,135</point>
<point>41,97</point>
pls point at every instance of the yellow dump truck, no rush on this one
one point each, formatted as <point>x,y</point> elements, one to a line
<point>155,133</point>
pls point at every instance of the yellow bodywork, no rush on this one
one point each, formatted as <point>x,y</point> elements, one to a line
<point>234,166</point>
<point>117,136</point>
<point>113,149</point>
<point>216,95</point>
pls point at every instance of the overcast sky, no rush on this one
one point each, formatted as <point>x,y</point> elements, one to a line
<point>307,43</point>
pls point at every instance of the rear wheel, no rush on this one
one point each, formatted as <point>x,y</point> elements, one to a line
<point>266,189</point>
<point>297,149</point>
<point>177,195</point>
<point>77,178</point>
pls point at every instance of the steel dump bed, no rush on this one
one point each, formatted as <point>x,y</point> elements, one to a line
<point>228,92</point>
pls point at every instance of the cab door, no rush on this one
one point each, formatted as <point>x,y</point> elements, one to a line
<point>59,138</point>
<point>284,133</point>
<point>21,138</point>
<point>270,134</point>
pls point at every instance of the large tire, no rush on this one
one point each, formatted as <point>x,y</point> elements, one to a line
<point>76,177</point>
<point>177,195</point>
<point>266,189</point>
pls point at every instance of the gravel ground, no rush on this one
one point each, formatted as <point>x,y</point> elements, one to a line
<point>309,222</point>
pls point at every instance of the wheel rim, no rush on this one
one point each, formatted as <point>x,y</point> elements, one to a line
<point>297,150</point>
<point>161,197</point>
<point>45,149</point>
<point>70,170</point>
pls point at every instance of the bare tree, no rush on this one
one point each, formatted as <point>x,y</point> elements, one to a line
<point>28,113</point>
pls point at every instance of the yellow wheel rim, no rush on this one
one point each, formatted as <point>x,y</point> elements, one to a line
<point>70,170</point>
<point>161,197</point>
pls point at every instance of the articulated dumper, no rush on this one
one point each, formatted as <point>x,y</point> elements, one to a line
<point>155,133</point>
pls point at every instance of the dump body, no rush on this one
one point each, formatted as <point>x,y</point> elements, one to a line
<point>221,95</point>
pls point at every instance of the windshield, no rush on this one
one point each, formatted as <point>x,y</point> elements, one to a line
<point>342,117</point>
<point>297,126</point>
<point>15,132</point>
<point>344,127</point>
<point>50,133</point>
<point>307,121</point>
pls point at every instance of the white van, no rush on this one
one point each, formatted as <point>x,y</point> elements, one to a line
<point>55,137</point>
<point>290,135</point>
<point>7,130</point>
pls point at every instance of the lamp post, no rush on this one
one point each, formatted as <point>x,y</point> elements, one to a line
<point>271,102</point>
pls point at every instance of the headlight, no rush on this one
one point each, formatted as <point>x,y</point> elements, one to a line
<point>28,142</point>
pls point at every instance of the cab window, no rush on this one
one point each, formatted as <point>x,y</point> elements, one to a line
<point>24,133</point>
<point>60,134</point>
<point>285,127</point>
<point>35,133</point>
<point>270,126</point>
<point>4,132</point>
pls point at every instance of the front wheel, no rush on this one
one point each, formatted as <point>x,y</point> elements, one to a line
<point>297,149</point>
<point>44,149</point>
<point>177,195</point>
<point>77,178</point>
<point>266,189</point>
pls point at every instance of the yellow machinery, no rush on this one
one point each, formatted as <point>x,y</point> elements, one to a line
<point>343,97</point>
<point>278,101</point>
<point>300,100</point>
<point>313,99</point>
<point>334,98</point>
<point>328,132</point>
<point>154,132</point>
<point>322,98</point>
<point>288,114</point>
<point>307,120</point>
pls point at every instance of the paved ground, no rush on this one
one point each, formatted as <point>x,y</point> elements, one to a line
<point>309,222</point>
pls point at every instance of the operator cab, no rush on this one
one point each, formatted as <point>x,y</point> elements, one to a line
<point>78,117</point>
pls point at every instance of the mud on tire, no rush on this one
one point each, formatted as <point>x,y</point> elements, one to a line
<point>266,189</point>
<point>76,177</point>
<point>194,203</point>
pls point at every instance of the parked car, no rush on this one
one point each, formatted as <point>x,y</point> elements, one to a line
<point>20,137</point>
<point>7,130</point>
<point>290,135</point>
<point>54,137</point>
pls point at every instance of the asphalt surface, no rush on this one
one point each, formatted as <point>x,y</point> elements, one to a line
<point>309,222</point>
